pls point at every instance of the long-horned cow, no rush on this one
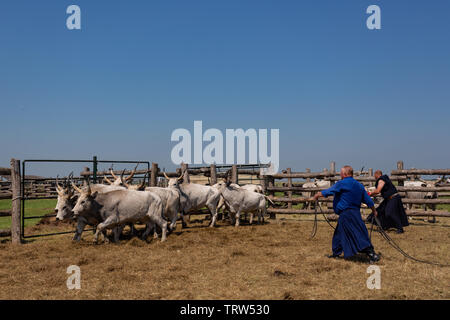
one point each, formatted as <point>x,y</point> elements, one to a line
<point>423,194</point>
<point>114,208</point>
<point>240,201</point>
<point>195,196</point>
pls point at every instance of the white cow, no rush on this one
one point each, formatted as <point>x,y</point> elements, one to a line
<point>195,196</point>
<point>240,201</point>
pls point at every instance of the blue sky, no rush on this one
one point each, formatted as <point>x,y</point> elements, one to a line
<point>140,69</point>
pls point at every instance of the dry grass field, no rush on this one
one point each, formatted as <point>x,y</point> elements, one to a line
<point>277,260</point>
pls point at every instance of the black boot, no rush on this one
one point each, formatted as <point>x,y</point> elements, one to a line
<point>373,257</point>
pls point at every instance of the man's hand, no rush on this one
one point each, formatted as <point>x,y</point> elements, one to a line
<point>316,196</point>
<point>374,211</point>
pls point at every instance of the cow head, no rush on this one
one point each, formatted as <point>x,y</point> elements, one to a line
<point>65,202</point>
<point>432,184</point>
<point>120,181</point>
<point>174,182</point>
<point>86,200</point>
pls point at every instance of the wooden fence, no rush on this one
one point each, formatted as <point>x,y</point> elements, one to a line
<point>289,183</point>
<point>294,193</point>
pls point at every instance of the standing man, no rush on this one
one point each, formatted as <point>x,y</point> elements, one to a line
<point>351,235</point>
<point>391,211</point>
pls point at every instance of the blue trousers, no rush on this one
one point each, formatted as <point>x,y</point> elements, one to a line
<point>351,235</point>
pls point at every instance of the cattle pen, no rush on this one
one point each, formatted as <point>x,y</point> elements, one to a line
<point>285,189</point>
<point>275,260</point>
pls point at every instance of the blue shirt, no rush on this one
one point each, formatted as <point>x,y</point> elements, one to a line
<point>348,194</point>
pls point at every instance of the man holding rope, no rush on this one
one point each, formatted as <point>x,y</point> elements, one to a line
<point>351,235</point>
<point>391,211</point>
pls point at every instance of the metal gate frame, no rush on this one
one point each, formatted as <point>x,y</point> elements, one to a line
<point>94,162</point>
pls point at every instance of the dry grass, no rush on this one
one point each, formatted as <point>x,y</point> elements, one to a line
<point>273,261</point>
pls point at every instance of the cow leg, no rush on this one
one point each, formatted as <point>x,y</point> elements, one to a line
<point>117,231</point>
<point>150,227</point>
<point>251,218</point>
<point>173,223</point>
<point>238,215</point>
<point>161,223</point>
<point>79,230</point>
<point>212,209</point>
<point>183,220</point>
<point>108,223</point>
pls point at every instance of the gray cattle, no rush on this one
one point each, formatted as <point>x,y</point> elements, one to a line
<point>249,187</point>
<point>422,194</point>
<point>114,208</point>
<point>240,201</point>
<point>324,184</point>
<point>195,196</point>
<point>171,203</point>
<point>81,221</point>
<point>65,202</point>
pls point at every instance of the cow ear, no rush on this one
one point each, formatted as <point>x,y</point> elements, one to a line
<point>74,198</point>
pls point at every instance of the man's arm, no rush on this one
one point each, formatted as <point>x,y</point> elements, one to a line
<point>327,192</point>
<point>378,189</point>
<point>369,202</point>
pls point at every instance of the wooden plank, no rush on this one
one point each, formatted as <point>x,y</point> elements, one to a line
<point>5,232</point>
<point>5,171</point>
<point>435,172</point>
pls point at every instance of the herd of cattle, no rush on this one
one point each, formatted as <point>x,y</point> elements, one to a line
<point>119,203</point>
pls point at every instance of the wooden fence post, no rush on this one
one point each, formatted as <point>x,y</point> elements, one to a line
<point>15,205</point>
<point>308,170</point>
<point>184,168</point>
<point>234,174</point>
<point>213,174</point>
<point>271,183</point>
<point>332,170</point>
<point>154,175</point>
<point>400,167</point>
<point>289,184</point>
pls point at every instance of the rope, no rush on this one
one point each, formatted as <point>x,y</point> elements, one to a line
<point>397,247</point>
<point>383,233</point>
<point>314,231</point>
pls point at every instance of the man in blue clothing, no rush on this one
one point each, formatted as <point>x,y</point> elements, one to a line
<point>351,235</point>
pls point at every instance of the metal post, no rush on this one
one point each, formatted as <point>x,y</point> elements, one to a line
<point>94,169</point>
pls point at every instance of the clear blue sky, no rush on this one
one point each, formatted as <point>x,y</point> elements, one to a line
<point>140,69</point>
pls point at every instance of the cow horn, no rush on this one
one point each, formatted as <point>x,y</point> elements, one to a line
<point>107,180</point>
<point>58,188</point>
<point>132,173</point>
<point>142,185</point>
<point>76,188</point>
<point>182,174</point>
<point>112,174</point>
<point>165,175</point>
<point>121,175</point>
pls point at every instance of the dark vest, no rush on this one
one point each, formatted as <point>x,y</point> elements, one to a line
<point>388,189</point>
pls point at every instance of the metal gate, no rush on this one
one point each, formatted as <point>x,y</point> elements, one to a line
<point>94,162</point>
